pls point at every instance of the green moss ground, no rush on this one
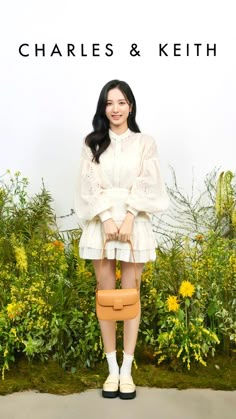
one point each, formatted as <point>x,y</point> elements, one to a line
<point>220,374</point>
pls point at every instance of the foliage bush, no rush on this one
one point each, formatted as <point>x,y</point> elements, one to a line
<point>199,247</point>
<point>46,290</point>
<point>47,299</point>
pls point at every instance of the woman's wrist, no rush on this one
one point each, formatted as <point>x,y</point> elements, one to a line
<point>132,210</point>
<point>105,215</point>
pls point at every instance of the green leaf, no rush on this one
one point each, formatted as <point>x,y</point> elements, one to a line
<point>180,315</point>
<point>187,302</point>
<point>212,309</point>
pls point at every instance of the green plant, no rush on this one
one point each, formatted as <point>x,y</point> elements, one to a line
<point>47,292</point>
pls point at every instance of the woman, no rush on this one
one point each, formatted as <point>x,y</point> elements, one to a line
<point>119,189</point>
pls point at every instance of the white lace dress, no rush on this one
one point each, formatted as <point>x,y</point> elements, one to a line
<point>127,179</point>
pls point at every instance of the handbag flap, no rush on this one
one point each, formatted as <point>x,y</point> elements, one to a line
<point>117,298</point>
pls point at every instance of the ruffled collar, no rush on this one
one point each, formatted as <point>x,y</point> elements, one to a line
<point>114,136</point>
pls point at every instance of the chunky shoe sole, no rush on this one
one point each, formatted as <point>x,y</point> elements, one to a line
<point>111,387</point>
<point>127,388</point>
<point>127,396</point>
<point>110,394</point>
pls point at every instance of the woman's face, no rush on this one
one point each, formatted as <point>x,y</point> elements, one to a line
<point>117,110</point>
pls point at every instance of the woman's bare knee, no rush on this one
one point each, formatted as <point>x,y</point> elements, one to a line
<point>105,273</point>
<point>128,274</point>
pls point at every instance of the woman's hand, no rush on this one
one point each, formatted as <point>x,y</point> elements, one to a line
<point>110,229</point>
<point>126,228</point>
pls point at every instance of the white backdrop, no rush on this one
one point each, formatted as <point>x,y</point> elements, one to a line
<point>47,103</point>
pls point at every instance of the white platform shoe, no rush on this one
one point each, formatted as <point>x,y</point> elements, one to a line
<point>127,388</point>
<point>111,387</point>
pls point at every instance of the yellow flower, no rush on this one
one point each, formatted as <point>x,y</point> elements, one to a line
<point>10,309</point>
<point>161,359</point>
<point>13,331</point>
<point>186,289</point>
<point>153,292</point>
<point>14,310</point>
<point>58,244</point>
<point>118,274</point>
<point>199,237</point>
<point>172,303</point>
<point>21,258</point>
<point>202,362</point>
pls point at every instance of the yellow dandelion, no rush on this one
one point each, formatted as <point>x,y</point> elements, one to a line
<point>186,289</point>
<point>172,303</point>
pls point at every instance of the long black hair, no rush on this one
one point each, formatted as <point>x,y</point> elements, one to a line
<point>98,140</point>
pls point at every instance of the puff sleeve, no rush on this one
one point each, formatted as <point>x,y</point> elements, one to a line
<point>148,192</point>
<point>89,198</point>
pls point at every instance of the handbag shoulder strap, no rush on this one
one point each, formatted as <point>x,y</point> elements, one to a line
<point>102,257</point>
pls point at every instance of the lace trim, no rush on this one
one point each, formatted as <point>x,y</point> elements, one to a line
<point>93,185</point>
<point>114,136</point>
<point>143,188</point>
<point>150,152</point>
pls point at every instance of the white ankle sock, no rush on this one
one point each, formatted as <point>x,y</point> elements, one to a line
<point>112,363</point>
<point>126,364</point>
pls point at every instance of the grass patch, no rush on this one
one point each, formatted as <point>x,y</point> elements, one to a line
<point>48,377</point>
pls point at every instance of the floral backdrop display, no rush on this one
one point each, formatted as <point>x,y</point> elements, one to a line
<point>47,293</point>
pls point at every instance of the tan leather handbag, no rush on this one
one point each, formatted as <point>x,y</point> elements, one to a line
<point>117,304</point>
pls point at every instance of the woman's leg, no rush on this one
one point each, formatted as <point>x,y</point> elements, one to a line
<point>127,386</point>
<point>131,326</point>
<point>107,281</point>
